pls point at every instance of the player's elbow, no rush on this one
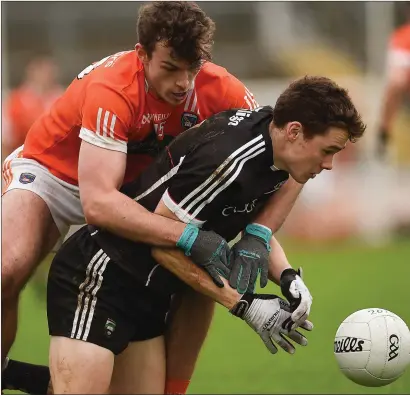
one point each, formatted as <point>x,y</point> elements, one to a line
<point>95,209</point>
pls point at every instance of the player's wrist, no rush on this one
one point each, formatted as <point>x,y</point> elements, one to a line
<point>248,302</point>
<point>243,304</point>
<point>187,239</point>
<point>260,232</point>
<point>288,273</point>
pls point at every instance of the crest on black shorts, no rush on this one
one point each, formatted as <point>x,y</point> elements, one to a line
<point>109,327</point>
<point>189,119</point>
<point>26,178</point>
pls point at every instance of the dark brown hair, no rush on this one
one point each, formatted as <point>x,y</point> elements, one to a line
<point>318,103</point>
<point>182,25</point>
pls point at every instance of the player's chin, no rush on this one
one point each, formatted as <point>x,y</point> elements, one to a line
<point>301,178</point>
<point>175,99</point>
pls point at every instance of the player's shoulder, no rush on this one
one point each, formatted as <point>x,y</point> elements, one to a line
<point>213,71</point>
<point>252,116</point>
<point>118,72</point>
<point>213,74</point>
<point>116,78</point>
<point>400,39</point>
<point>244,120</point>
<point>216,138</point>
<point>218,90</point>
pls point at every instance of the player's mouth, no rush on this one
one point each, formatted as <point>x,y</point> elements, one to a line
<point>180,96</point>
<point>313,175</point>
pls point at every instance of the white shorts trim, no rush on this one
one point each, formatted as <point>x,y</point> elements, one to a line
<point>62,198</point>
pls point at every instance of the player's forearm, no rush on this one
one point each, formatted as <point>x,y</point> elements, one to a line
<point>127,218</point>
<point>182,267</point>
<point>278,261</point>
<point>279,206</point>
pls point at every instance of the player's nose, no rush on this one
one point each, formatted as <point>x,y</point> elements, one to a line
<point>184,81</point>
<point>328,165</point>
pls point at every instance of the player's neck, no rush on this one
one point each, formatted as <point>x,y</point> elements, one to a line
<point>277,147</point>
<point>149,90</point>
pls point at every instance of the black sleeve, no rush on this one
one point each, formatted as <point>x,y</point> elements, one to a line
<point>207,175</point>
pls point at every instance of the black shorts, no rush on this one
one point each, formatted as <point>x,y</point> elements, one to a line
<point>91,298</point>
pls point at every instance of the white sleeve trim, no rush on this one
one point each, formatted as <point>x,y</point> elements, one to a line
<point>103,141</point>
<point>398,58</point>
<point>182,215</point>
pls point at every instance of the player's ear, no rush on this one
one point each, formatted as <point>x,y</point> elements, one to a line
<point>141,53</point>
<point>293,130</point>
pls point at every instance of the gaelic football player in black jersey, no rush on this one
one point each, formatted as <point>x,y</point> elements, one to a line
<point>105,291</point>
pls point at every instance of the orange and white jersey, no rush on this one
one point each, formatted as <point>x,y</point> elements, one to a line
<point>398,61</point>
<point>108,105</point>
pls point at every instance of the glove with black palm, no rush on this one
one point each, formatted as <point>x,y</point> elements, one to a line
<point>249,258</point>
<point>295,291</point>
<point>208,250</point>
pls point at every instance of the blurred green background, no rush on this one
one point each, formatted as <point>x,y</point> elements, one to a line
<point>343,278</point>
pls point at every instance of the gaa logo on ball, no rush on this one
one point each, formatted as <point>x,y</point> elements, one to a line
<point>372,347</point>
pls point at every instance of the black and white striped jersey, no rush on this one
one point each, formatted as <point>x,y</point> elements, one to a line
<point>217,175</point>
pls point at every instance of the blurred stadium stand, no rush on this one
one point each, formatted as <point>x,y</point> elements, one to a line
<point>78,33</point>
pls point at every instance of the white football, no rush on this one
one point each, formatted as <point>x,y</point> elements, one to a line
<point>372,347</point>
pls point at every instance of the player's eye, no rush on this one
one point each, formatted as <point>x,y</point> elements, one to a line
<point>169,68</point>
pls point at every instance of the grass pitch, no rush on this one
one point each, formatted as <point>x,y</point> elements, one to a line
<point>342,279</point>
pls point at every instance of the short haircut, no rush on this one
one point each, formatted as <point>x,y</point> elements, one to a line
<point>181,25</point>
<point>318,103</point>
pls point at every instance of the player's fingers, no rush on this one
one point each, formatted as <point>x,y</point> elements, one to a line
<point>243,280</point>
<point>225,254</point>
<point>253,276</point>
<point>235,269</point>
<point>264,275</point>
<point>233,277</point>
<point>215,277</point>
<point>301,313</point>
<point>298,338</point>
<point>307,325</point>
<point>287,324</point>
<point>223,270</point>
<point>297,323</point>
<point>230,260</point>
<point>269,343</point>
<point>283,343</point>
<point>251,288</point>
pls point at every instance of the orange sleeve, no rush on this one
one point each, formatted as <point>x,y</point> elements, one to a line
<point>106,117</point>
<point>237,95</point>
<point>399,49</point>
